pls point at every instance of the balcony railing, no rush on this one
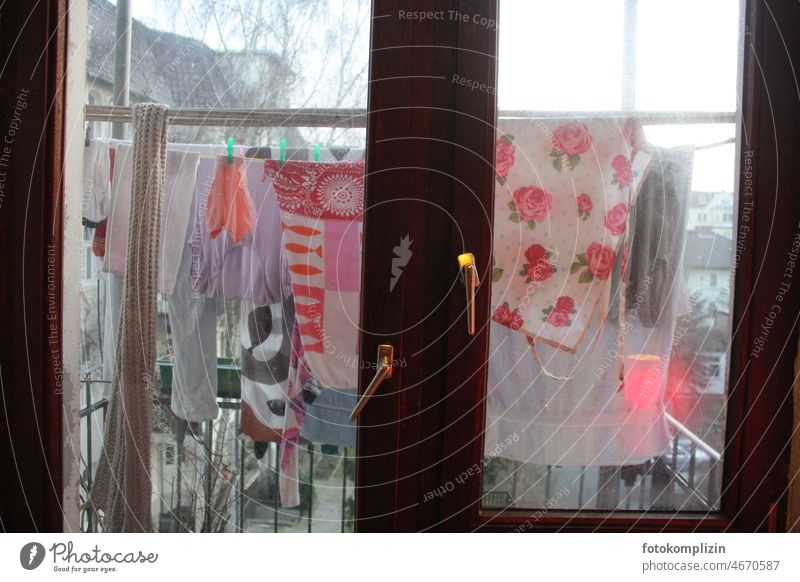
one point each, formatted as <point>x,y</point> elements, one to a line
<point>326,476</point>
<point>686,478</point>
<point>683,479</point>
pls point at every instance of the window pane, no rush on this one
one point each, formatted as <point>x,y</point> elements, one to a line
<point>607,385</point>
<point>572,66</point>
<point>242,303</point>
<point>687,55</point>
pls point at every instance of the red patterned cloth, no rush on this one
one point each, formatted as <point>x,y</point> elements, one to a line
<point>321,212</point>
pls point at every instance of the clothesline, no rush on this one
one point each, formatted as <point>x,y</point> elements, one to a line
<point>357,118</point>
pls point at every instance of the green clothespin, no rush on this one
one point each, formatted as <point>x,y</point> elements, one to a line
<point>230,150</point>
<point>316,153</point>
<point>282,155</point>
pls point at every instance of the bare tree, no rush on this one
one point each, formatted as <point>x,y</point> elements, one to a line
<point>283,53</point>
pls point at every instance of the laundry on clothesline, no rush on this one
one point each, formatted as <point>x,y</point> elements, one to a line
<point>572,409</point>
<point>229,206</point>
<point>561,212</point>
<point>224,236</point>
<point>321,208</point>
<point>122,482</point>
<point>253,269</point>
<point>266,340</point>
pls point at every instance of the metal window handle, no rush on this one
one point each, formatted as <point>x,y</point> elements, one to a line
<point>385,368</point>
<point>469,276</point>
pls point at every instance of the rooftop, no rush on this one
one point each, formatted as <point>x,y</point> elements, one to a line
<point>721,200</point>
<point>707,250</point>
<point>165,67</point>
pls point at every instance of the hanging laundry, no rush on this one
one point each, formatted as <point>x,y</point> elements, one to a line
<point>266,337</point>
<point>561,209</point>
<point>115,250</point>
<point>584,418</point>
<point>229,206</point>
<point>299,375</point>
<point>112,305</point>
<point>255,268</point>
<point>96,180</point>
<point>102,201</point>
<point>658,231</point>
<point>99,239</point>
<point>193,329</point>
<point>260,434</point>
<point>314,412</point>
<point>110,240</point>
<point>119,211</point>
<point>304,243</point>
<point>122,487</point>
<point>178,190</point>
<point>321,207</point>
<point>327,415</point>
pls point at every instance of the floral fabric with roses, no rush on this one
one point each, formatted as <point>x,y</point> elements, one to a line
<point>564,192</point>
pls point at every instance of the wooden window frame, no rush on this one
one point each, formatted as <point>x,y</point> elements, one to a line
<point>430,431</point>
<point>426,434</point>
<point>33,37</point>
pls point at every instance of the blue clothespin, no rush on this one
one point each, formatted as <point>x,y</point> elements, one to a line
<point>282,154</point>
<point>316,152</point>
<point>230,150</point>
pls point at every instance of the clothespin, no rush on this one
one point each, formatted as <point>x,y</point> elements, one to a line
<point>316,152</point>
<point>282,154</point>
<point>230,150</point>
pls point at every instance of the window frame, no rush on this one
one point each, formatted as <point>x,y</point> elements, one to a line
<point>757,430</point>
<point>391,491</point>
<point>447,416</point>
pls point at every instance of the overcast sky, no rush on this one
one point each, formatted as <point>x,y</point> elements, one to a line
<point>567,55</point>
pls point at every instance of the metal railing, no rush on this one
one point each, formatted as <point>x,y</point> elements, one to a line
<point>710,498</point>
<point>357,118</point>
<point>686,478</point>
<point>87,469</point>
<point>247,470</point>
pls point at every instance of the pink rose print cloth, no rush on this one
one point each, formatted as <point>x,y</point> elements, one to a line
<point>564,192</point>
<point>321,205</point>
<point>504,157</point>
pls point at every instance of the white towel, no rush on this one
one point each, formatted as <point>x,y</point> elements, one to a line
<point>96,181</point>
<point>119,211</point>
<point>178,193</point>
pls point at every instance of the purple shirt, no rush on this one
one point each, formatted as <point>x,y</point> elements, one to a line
<point>253,269</point>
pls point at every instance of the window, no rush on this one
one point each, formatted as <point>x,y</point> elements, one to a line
<point>560,429</point>
<point>210,56</point>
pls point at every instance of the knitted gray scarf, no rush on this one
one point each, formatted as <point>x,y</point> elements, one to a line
<point>122,487</point>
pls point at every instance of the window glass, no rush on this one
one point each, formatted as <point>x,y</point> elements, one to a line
<point>217,458</point>
<point>607,390</point>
